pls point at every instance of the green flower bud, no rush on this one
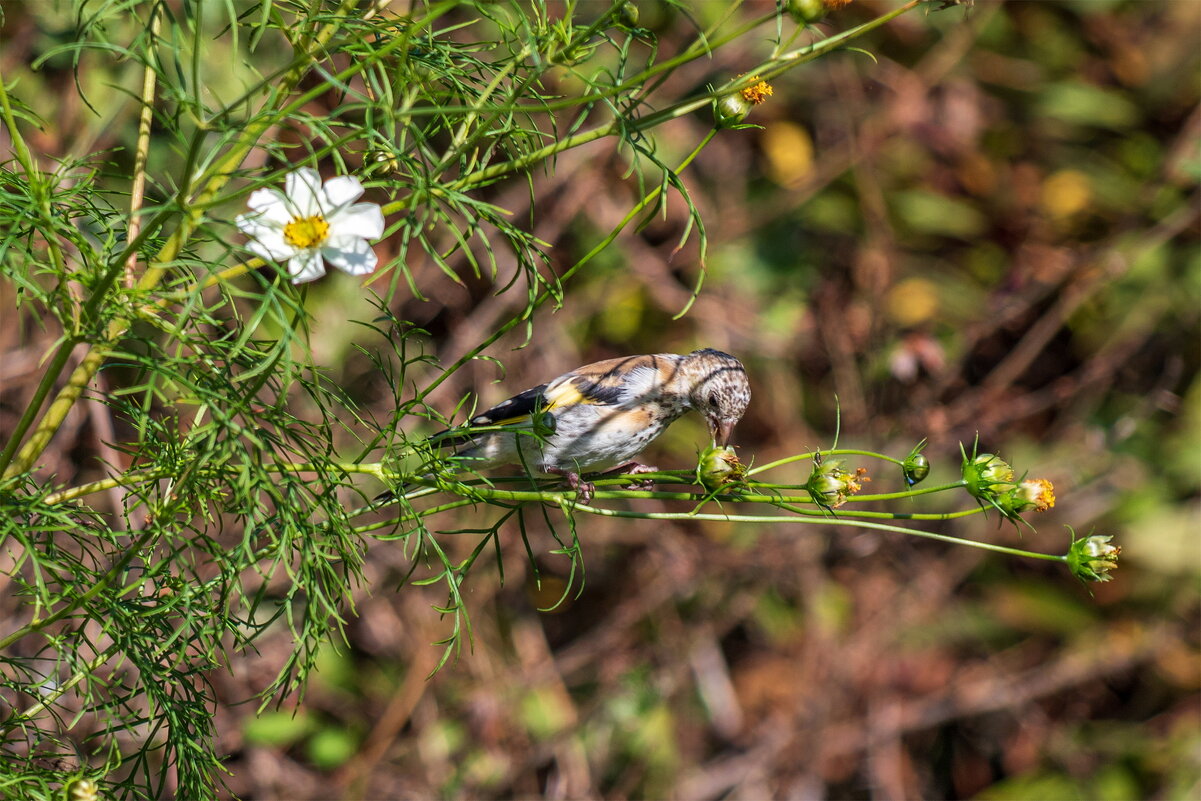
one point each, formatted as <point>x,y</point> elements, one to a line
<point>83,789</point>
<point>627,15</point>
<point>1032,494</point>
<point>730,110</point>
<point>544,424</point>
<point>1091,558</point>
<point>830,486</point>
<point>804,12</point>
<point>383,161</point>
<point>719,468</point>
<point>915,467</point>
<point>987,476</point>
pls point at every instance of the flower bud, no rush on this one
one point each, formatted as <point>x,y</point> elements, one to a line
<point>627,15</point>
<point>804,12</point>
<point>830,486</point>
<point>1032,494</point>
<point>730,110</point>
<point>543,424</point>
<point>83,789</point>
<point>987,476</point>
<point>719,468</point>
<point>383,160</point>
<point>1091,558</point>
<point>915,467</point>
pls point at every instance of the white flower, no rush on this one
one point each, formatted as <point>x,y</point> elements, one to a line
<point>308,223</point>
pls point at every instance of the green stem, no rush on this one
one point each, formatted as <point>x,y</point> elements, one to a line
<point>910,493</point>
<point>858,518</point>
<point>62,689</point>
<point>777,519</point>
<point>782,63</point>
<point>832,452</point>
<point>567,501</point>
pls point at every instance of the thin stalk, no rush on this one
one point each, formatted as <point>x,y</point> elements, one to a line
<point>832,452</point>
<point>781,64</point>
<point>575,507</point>
<point>62,689</point>
<point>137,192</point>
<point>910,493</point>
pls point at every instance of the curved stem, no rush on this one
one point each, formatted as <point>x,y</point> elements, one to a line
<point>909,493</point>
<point>832,452</point>
<point>855,523</point>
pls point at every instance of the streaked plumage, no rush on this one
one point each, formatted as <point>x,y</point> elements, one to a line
<point>604,414</point>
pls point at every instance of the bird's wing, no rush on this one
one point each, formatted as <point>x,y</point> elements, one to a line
<point>604,383</point>
<point>514,409</point>
<point>609,382</point>
<point>574,389</point>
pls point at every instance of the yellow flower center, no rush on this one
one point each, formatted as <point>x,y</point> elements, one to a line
<point>756,93</point>
<point>1046,494</point>
<point>306,232</point>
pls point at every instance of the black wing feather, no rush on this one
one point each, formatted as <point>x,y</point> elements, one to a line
<point>597,393</point>
<point>516,407</point>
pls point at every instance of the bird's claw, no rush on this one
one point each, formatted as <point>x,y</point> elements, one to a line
<point>584,490</point>
<point>633,469</point>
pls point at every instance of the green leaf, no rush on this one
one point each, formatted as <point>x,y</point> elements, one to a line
<point>1084,104</point>
<point>331,747</point>
<point>926,212</point>
<point>277,728</point>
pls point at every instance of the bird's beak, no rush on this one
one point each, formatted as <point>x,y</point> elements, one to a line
<point>721,431</point>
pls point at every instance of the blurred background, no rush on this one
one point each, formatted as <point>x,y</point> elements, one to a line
<point>990,228</point>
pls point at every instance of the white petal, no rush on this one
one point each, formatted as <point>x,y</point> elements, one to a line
<point>266,241</point>
<point>361,219</point>
<point>306,266</point>
<point>350,254</point>
<point>269,250</point>
<point>340,191</point>
<point>302,187</point>
<point>269,205</point>
<point>256,224</point>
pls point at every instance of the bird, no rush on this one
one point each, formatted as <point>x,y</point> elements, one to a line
<point>600,416</point>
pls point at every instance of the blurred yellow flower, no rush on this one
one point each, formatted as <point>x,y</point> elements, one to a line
<point>789,151</point>
<point>912,301</point>
<point>1065,193</point>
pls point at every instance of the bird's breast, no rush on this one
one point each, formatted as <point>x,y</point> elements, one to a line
<point>590,438</point>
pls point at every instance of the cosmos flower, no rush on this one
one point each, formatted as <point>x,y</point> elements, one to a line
<point>310,224</point>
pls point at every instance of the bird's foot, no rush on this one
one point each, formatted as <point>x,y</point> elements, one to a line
<point>584,490</point>
<point>633,469</point>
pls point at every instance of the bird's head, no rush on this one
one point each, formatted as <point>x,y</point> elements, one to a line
<point>719,390</point>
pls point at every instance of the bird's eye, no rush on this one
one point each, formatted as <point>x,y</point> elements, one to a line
<point>713,400</point>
